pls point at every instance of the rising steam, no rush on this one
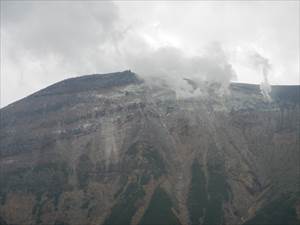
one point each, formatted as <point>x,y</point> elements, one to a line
<point>262,64</point>
<point>174,68</point>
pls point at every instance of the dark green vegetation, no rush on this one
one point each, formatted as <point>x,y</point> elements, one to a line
<point>159,211</point>
<point>205,205</point>
<point>123,211</point>
<point>43,180</point>
<point>152,166</point>
<point>152,163</point>
<point>197,198</point>
<point>279,212</point>
<point>217,192</point>
<point>60,223</point>
<point>50,179</point>
<point>83,170</point>
<point>206,196</point>
<point>2,221</point>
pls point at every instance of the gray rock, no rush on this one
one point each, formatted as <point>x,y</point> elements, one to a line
<point>110,149</point>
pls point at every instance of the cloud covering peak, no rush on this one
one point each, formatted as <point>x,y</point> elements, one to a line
<point>172,66</point>
<point>43,42</point>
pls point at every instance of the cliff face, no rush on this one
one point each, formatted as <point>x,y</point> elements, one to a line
<point>109,149</point>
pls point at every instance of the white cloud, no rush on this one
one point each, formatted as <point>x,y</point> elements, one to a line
<point>45,42</point>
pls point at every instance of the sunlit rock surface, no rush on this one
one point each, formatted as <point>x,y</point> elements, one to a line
<point>111,149</point>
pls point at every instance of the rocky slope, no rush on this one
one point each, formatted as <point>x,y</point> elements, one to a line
<point>110,149</point>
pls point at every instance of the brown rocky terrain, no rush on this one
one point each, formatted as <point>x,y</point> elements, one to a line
<point>111,149</point>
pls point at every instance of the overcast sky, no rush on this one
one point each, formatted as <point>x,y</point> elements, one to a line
<point>45,42</point>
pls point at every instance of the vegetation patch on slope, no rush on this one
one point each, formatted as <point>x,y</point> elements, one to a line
<point>159,211</point>
<point>278,212</point>
<point>83,170</point>
<point>217,193</point>
<point>197,198</point>
<point>50,179</point>
<point>147,157</point>
<point>123,211</point>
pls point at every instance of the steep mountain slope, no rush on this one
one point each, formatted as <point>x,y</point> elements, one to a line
<point>110,149</point>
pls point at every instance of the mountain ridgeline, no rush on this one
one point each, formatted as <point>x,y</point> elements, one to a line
<point>112,150</point>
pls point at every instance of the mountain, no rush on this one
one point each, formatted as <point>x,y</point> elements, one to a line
<point>111,149</point>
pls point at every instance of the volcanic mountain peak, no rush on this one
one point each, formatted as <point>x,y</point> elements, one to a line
<point>112,149</point>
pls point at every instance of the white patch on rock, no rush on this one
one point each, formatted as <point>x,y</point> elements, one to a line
<point>110,144</point>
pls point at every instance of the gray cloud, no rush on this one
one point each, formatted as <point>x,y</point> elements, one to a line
<point>172,66</point>
<point>70,32</point>
<point>43,42</point>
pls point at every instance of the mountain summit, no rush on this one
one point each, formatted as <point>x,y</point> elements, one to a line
<point>112,149</point>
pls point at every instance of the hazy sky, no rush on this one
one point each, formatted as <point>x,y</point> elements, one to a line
<point>45,42</point>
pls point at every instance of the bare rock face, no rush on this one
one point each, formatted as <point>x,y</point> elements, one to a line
<point>110,149</point>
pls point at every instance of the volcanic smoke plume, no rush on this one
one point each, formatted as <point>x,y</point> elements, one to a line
<point>263,64</point>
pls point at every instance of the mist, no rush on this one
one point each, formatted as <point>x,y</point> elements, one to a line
<point>263,65</point>
<point>172,67</point>
<point>46,42</point>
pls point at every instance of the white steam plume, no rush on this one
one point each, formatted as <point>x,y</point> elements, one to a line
<point>174,68</point>
<point>264,66</point>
